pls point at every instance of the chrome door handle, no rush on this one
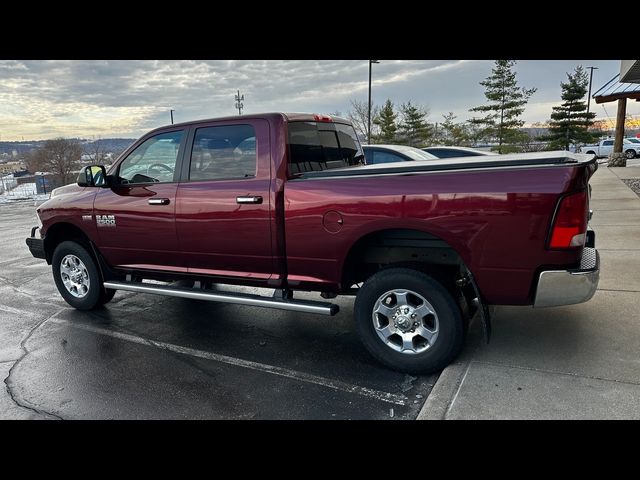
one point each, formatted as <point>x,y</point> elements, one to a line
<point>256,199</point>
<point>158,201</point>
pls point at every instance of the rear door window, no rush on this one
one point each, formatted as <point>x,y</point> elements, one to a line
<point>225,152</point>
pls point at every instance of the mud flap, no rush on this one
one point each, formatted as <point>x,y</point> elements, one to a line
<point>483,310</point>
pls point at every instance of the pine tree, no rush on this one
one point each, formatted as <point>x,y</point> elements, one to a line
<point>453,133</point>
<point>570,121</point>
<point>414,127</point>
<point>505,104</point>
<point>476,132</point>
<point>386,120</point>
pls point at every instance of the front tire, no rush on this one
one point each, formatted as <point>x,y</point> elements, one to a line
<point>77,277</point>
<point>630,154</point>
<point>408,321</point>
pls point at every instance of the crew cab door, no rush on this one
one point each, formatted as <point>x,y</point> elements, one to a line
<point>223,212</point>
<point>135,217</point>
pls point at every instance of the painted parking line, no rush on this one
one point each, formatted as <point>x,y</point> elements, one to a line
<point>239,362</point>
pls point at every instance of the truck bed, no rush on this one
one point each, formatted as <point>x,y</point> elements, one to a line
<point>515,160</point>
<point>494,212</point>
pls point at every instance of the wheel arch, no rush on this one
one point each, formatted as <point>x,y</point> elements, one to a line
<point>64,231</point>
<point>399,246</point>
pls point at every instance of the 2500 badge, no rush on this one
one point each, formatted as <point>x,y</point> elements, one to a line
<point>106,220</point>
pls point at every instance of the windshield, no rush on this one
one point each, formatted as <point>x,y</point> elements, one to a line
<point>411,152</point>
<point>417,154</point>
<point>633,140</point>
<point>316,146</point>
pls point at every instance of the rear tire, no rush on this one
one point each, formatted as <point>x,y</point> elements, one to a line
<point>395,339</point>
<point>77,277</point>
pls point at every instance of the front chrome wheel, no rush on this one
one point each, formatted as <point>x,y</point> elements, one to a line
<point>75,276</point>
<point>405,321</point>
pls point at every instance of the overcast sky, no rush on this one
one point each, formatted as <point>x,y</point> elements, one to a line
<point>126,98</point>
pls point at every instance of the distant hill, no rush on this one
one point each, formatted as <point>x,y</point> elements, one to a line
<point>115,145</point>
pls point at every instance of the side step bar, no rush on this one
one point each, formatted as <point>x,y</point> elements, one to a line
<point>321,308</point>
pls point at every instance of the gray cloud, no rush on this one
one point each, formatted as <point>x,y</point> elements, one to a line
<point>41,99</point>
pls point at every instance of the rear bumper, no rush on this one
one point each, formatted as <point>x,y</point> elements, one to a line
<point>568,287</point>
<point>36,245</point>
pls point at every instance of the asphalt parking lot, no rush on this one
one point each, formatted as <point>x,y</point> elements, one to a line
<point>150,357</point>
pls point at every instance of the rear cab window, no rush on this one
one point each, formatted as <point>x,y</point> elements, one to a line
<point>317,146</point>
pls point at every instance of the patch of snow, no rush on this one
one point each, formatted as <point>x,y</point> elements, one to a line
<point>26,191</point>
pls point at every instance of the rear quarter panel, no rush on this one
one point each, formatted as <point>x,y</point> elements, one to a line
<point>497,221</point>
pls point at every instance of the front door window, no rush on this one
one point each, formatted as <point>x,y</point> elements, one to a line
<point>153,161</point>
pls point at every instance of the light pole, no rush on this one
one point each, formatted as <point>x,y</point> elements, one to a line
<point>371,62</point>
<point>590,80</point>
<point>171,116</point>
<point>239,104</point>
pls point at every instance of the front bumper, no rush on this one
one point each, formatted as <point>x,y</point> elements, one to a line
<point>568,287</point>
<point>36,245</point>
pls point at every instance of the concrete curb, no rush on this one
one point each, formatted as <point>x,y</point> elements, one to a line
<point>445,390</point>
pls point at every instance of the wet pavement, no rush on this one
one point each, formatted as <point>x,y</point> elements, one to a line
<point>150,357</point>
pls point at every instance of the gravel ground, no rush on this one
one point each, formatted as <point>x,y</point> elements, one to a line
<point>633,184</point>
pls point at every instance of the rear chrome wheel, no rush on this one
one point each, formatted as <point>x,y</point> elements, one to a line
<point>408,321</point>
<point>405,321</point>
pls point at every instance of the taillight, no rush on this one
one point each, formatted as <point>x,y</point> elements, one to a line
<point>570,225</point>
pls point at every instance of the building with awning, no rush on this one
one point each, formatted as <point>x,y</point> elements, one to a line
<point>630,71</point>
<point>622,87</point>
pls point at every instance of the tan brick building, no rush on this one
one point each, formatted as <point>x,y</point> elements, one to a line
<point>10,167</point>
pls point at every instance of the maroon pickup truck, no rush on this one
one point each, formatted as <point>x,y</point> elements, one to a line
<point>283,201</point>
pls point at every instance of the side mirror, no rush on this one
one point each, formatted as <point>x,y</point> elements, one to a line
<point>93,176</point>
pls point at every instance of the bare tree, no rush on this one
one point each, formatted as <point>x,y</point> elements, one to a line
<point>34,161</point>
<point>60,157</point>
<point>359,116</point>
<point>96,151</point>
<point>113,156</point>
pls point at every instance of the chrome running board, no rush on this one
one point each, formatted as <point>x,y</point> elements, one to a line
<point>320,308</point>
